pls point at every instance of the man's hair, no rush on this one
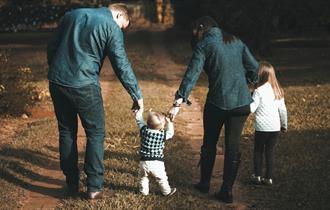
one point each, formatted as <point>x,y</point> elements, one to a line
<point>120,7</point>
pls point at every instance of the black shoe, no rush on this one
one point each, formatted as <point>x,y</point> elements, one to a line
<point>72,191</point>
<point>203,188</point>
<point>224,196</point>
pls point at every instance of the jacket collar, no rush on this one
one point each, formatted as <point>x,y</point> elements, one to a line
<point>215,31</point>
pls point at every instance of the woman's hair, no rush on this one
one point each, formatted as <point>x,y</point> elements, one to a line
<point>120,7</point>
<point>203,25</point>
<point>227,37</point>
<point>267,74</point>
<point>155,120</point>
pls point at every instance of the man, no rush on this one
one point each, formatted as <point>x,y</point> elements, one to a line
<point>75,56</point>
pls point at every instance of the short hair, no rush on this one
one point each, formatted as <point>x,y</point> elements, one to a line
<point>121,7</point>
<point>155,120</point>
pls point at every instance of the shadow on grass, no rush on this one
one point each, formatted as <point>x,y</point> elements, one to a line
<point>301,173</point>
<point>15,168</point>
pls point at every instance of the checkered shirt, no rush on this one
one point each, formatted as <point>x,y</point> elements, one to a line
<point>152,144</point>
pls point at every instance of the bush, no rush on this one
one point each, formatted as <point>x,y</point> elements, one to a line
<point>16,92</point>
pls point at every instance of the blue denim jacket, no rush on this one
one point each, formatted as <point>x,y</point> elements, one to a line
<point>77,50</point>
<point>229,67</point>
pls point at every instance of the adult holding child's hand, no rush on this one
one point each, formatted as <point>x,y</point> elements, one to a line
<point>75,54</point>
<point>229,66</point>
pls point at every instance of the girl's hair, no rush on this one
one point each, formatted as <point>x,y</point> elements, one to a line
<point>155,120</point>
<point>267,74</point>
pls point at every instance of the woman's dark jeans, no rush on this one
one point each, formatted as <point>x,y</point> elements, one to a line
<point>264,142</point>
<point>85,102</point>
<point>214,119</point>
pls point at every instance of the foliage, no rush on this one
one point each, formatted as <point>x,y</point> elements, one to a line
<point>16,93</point>
<point>257,21</point>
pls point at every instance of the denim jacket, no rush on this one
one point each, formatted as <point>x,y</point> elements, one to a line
<point>229,67</point>
<point>77,50</point>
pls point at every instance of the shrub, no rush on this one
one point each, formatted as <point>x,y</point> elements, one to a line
<point>16,92</point>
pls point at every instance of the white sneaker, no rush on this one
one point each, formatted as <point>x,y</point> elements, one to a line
<point>173,190</point>
<point>267,181</point>
<point>255,179</point>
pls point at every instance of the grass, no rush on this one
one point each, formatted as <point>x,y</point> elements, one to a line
<point>302,173</point>
<point>301,178</point>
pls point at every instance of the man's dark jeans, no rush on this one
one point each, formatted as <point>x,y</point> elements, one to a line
<point>88,104</point>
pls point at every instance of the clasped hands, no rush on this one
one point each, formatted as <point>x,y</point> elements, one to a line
<point>138,108</point>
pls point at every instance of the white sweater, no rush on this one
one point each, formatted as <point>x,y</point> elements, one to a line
<point>271,114</point>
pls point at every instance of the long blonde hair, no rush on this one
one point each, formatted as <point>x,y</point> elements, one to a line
<point>267,74</point>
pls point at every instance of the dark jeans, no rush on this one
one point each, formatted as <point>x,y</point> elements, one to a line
<point>264,141</point>
<point>214,118</point>
<point>88,104</point>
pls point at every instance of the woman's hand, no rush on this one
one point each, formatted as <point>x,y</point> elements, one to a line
<point>175,109</point>
<point>173,112</point>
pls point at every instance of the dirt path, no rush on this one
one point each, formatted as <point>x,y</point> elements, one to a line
<point>190,119</point>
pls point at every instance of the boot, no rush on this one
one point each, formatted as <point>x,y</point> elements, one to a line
<point>206,166</point>
<point>231,166</point>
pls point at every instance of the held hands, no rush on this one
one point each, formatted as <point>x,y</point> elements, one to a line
<point>175,109</point>
<point>137,107</point>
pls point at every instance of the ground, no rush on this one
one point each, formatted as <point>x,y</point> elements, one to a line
<point>30,175</point>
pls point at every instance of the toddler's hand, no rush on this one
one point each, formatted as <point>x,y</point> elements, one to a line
<point>173,112</point>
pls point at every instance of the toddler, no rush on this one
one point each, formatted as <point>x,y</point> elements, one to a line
<point>153,136</point>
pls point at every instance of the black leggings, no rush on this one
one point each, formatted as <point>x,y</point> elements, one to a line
<point>264,141</point>
<point>213,120</point>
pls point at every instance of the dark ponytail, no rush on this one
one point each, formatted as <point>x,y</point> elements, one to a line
<point>227,38</point>
<point>201,26</point>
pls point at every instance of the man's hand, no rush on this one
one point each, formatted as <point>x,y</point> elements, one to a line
<point>137,106</point>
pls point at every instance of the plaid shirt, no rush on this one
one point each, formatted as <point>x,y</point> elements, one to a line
<point>153,141</point>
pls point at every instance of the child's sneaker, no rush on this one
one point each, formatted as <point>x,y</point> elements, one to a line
<point>256,179</point>
<point>173,190</point>
<point>268,182</point>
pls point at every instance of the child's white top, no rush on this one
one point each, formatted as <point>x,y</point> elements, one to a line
<point>271,114</point>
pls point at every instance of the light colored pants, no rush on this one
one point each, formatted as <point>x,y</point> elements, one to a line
<point>155,168</point>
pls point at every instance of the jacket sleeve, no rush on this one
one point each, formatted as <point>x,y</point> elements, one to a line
<point>251,66</point>
<point>256,101</point>
<point>53,43</point>
<point>283,113</point>
<point>121,65</point>
<point>192,74</point>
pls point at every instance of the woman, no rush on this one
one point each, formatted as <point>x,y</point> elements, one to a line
<point>229,66</point>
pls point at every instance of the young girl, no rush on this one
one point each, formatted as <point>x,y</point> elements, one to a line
<point>271,117</point>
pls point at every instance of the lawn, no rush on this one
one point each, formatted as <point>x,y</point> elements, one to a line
<point>302,174</point>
